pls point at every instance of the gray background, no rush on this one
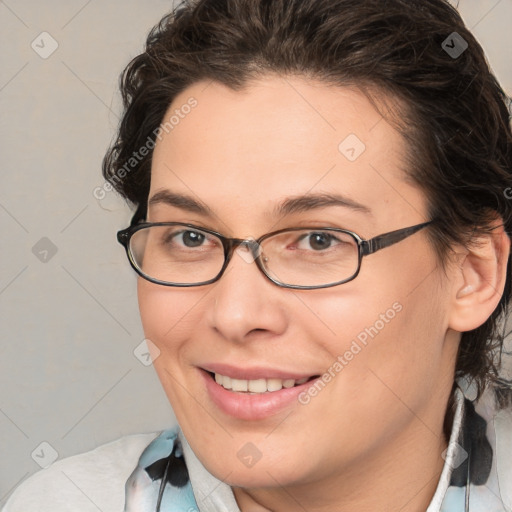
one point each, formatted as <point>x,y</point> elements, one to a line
<point>68,310</point>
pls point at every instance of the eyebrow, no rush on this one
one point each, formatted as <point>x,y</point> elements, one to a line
<point>309,202</point>
<point>181,201</point>
<point>297,204</point>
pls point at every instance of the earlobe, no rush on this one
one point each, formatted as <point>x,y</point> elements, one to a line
<point>479,280</point>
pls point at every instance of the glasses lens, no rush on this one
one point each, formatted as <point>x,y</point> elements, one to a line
<point>177,254</point>
<point>310,258</point>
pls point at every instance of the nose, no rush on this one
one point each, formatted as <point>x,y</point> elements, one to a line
<point>244,302</point>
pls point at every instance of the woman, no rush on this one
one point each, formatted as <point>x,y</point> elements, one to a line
<point>321,193</point>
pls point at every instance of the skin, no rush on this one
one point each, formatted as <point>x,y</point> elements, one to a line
<point>372,438</point>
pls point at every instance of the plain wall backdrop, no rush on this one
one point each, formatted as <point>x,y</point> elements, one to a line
<point>70,328</point>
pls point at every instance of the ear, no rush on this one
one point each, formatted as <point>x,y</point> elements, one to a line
<point>479,279</point>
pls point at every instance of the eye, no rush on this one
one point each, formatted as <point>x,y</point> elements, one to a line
<point>318,241</point>
<point>186,239</point>
<point>191,238</point>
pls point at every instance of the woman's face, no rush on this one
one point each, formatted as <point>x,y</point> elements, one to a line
<point>381,337</point>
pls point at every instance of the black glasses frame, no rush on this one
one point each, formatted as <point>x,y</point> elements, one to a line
<point>365,247</point>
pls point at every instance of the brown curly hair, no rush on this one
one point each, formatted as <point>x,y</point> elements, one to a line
<point>455,116</point>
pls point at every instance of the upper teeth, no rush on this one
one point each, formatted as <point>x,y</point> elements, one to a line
<point>256,385</point>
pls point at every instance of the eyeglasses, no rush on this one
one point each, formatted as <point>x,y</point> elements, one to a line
<point>175,254</point>
<point>183,255</point>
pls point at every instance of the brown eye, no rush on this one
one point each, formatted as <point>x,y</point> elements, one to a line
<point>319,241</point>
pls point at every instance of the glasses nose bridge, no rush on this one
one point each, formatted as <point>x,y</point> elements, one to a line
<point>232,245</point>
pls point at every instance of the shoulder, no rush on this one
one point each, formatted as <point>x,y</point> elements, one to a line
<point>88,481</point>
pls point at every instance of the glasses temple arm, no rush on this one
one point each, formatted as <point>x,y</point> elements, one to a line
<point>387,239</point>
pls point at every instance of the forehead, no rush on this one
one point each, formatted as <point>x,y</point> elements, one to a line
<point>277,138</point>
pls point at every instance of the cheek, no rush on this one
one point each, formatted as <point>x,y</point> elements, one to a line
<point>169,317</point>
<point>386,332</point>
<point>168,314</point>
<point>339,316</point>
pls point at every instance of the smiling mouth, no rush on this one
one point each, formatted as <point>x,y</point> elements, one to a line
<point>256,386</point>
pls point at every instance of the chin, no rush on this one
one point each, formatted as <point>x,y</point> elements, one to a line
<point>238,470</point>
<point>264,476</point>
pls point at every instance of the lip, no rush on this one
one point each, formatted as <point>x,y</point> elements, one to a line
<point>250,407</point>
<point>253,373</point>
